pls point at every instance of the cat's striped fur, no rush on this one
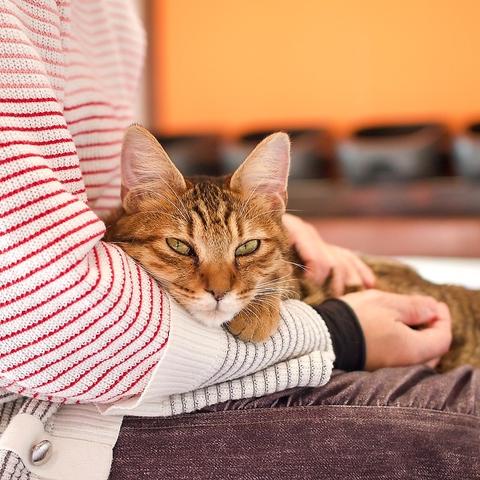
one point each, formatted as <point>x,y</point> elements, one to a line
<point>215,216</point>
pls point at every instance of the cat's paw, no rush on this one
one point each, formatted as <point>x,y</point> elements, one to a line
<point>255,327</point>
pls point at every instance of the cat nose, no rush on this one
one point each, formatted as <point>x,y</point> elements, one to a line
<point>217,294</point>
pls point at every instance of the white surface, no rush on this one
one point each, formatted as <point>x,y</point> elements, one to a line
<point>458,271</point>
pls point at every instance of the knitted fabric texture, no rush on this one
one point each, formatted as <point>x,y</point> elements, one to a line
<point>200,367</point>
<point>80,322</point>
<point>203,366</point>
<point>11,466</point>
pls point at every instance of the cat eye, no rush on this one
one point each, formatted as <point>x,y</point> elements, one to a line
<point>178,246</point>
<point>247,248</point>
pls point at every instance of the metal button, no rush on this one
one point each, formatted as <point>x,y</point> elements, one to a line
<point>41,452</point>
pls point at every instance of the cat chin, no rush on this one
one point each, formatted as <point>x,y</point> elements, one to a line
<point>206,310</point>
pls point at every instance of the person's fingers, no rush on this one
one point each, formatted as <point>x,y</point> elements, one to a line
<point>338,282</point>
<point>311,248</point>
<point>368,277</point>
<point>351,274</point>
<point>434,362</point>
<point>434,340</point>
<point>351,266</point>
<point>412,309</point>
<point>317,256</point>
<point>420,310</point>
<point>322,259</point>
<point>444,312</point>
<point>293,225</point>
<point>318,263</point>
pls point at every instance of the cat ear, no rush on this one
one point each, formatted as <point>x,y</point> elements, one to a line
<point>146,167</point>
<point>265,171</point>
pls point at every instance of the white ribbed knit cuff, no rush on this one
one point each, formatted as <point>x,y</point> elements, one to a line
<point>193,354</point>
<point>197,356</point>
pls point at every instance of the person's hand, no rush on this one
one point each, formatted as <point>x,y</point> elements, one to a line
<point>322,259</point>
<point>387,320</point>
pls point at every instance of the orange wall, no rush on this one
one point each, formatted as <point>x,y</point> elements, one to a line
<point>229,65</point>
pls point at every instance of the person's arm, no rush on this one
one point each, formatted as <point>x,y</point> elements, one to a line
<point>205,365</point>
<point>322,259</point>
<point>375,329</point>
<point>79,320</point>
<point>365,330</point>
<point>401,330</point>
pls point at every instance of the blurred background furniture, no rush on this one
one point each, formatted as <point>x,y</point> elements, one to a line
<point>467,153</point>
<point>311,154</point>
<point>395,153</point>
<point>382,105</point>
<point>194,153</point>
<point>389,189</point>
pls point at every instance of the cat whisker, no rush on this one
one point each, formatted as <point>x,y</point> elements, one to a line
<point>273,290</point>
<point>269,212</point>
<point>285,278</point>
<point>280,293</point>
<point>250,196</point>
<point>270,285</point>
<point>265,301</point>
<point>174,217</point>
<point>299,265</point>
<point>250,310</point>
<point>176,196</point>
<point>276,287</point>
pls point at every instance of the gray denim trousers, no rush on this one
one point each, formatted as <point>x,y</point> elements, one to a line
<point>401,423</point>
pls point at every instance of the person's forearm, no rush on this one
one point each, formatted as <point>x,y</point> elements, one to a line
<point>79,320</point>
<point>205,365</point>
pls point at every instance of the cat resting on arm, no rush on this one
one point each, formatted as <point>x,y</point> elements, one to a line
<point>218,245</point>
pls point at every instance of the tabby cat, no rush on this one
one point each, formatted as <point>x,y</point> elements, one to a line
<point>217,245</point>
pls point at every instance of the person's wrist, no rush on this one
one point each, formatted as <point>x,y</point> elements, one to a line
<point>346,333</point>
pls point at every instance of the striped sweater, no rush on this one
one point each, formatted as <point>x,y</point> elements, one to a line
<point>81,324</point>
<point>200,366</point>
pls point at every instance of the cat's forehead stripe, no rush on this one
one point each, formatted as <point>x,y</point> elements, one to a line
<point>202,215</point>
<point>211,204</point>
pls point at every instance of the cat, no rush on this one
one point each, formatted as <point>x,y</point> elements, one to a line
<point>218,246</point>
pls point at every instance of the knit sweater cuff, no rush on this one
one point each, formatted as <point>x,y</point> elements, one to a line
<point>197,356</point>
<point>346,333</point>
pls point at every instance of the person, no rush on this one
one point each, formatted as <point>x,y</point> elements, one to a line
<point>80,321</point>
<point>385,318</point>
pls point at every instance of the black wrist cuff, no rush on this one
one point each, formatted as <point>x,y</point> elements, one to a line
<point>346,333</point>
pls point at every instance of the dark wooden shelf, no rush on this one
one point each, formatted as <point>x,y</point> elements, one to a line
<point>437,197</point>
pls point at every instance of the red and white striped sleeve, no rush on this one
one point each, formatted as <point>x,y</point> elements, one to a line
<point>79,320</point>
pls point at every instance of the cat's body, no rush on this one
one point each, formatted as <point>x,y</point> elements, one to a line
<point>218,245</point>
<point>464,304</point>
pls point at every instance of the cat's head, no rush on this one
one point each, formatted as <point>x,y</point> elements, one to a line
<point>215,244</point>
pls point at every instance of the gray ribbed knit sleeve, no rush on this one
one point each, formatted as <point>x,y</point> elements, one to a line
<point>202,366</point>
